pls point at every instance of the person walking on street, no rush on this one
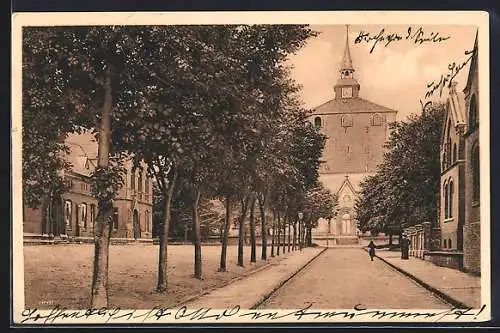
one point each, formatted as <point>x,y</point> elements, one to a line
<point>405,248</point>
<point>371,250</point>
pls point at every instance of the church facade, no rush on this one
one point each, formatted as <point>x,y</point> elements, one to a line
<point>356,131</point>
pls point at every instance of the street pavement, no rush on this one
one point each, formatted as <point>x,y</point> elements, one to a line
<point>463,287</point>
<point>250,290</point>
<point>342,278</point>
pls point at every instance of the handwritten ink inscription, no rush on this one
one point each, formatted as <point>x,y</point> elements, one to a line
<point>59,315</point>
<point>418,36</point>
<point>446,80</point>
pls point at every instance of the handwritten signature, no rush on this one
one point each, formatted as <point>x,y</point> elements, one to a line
<point>454,69</point>
<point>157,313</point>
<point>418,37</point>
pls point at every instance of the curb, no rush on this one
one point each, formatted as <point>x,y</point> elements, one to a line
<point>283,282</point>
<point>208,291</point>
<point>447,298</point>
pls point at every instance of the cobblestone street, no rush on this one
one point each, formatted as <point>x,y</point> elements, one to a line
<point>344,277</point>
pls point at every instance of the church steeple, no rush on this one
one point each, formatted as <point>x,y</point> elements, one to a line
<point>346,60</point>
<point>347,86</point>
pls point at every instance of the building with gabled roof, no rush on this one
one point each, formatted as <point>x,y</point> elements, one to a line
<point>74,214</point>
<point>356,131</point>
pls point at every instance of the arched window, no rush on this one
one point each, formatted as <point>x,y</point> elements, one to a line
<point>132,181</point>
<point>146,189</point>
<point>443,161</point>
<point>450,201</point>
<point>454,152</point>
<point>475,173</point>
<point>473,123</point>
<point>376,120</point>
<point>139,185</point>
<point>146,221</point>
<point>445,196</point>
<point>444,243</point>
<point>449,243</point>
<point>317,122</point>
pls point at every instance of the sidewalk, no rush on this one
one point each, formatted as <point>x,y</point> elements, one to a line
<point>251,290</point>
<point>460,288</point>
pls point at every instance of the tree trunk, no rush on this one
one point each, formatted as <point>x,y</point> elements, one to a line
<point>222,267</point>
<point>285,219</point>
<point>99,294</point>
<point>278,228</point>
<point>273,236</point>
<point>289,235</point>
<point>162,256</point>
<point>253,250</point>
<point>390,238</point>
<point>263,228</point>
<point>294,242</point>
<point>241,230</point>
<point>197,235</point>
<point>299,235</point>
<point>185,232</point>
<point>309,235</point>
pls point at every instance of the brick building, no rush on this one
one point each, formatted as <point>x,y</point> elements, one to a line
<point>74,214</point>
<point>356,130</point>
<point>472,237</point>
<point>459,226</point>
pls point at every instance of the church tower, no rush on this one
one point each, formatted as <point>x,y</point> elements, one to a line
<point>356,131</point>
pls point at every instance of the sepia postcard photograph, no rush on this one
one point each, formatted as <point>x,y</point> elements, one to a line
<point>250,167</point>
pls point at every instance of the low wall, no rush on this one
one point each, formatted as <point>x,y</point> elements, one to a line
<point>446,258</point>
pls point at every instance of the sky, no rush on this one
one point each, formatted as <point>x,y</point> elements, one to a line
<point>395,76</point>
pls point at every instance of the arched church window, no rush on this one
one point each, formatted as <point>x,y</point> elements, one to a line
<point>473,123</point>
<point>376,120</point>
<point>454,152</point>
<point>317,122</point>
<point>450,200</point>
<point>446,197</point>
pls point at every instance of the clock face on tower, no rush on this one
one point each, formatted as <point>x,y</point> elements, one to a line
<point>346,92</point>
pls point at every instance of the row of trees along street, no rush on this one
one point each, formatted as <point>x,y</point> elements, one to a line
<point>211,110</point>
<point>405,189</point>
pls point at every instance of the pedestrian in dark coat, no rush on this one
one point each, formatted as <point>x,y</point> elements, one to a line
<point>371,250</point>
<point>405,248</point>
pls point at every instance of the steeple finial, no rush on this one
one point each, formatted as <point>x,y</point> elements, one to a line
<point>346,60</point>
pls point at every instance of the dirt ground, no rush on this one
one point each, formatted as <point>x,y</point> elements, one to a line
<point>61,274</point>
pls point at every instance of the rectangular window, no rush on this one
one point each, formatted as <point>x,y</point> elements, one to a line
<point>83,210</point>
<point>67,213</point>
<point>115,218</point>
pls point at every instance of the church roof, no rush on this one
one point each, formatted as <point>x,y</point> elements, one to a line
<point>472,68</point>
<point>335,182</point>
<point>457,105</point>
<point>350,105</point>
